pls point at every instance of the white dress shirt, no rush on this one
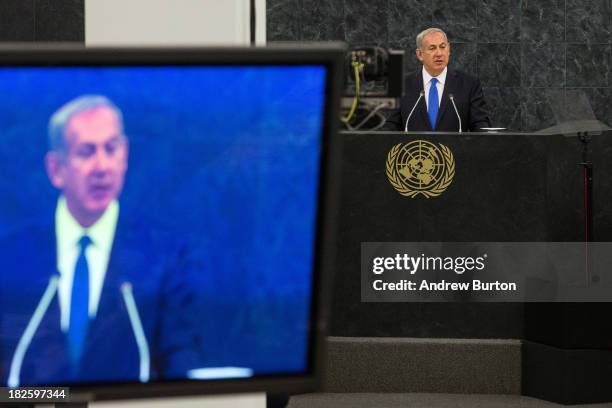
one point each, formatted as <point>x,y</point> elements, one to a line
<point>440,85</point>
<point>68,232</point>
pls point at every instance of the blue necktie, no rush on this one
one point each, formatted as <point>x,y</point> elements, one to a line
<point>433,103</point>
<point>79,306</point>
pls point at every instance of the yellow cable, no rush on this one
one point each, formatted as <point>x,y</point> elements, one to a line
<point>357,66</point>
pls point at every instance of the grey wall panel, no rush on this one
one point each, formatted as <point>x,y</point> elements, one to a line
<point>60,20</point>
<point>588,65</point>
<point>543,21</point>
<point>600,100</point>
<point>17,20</point>
<point>457,18</point>
<point>504,106</point>
<point>588,21</point>
<point>322,20</point>
<point>536,110</point>
<point>41,20</point>
<point>542,64</point>
<point>499,21</point>
<point>283,24</point>
<point>366,21</point>
<point>499,64</point>
<point>407,18</point>
<point>464,57</point>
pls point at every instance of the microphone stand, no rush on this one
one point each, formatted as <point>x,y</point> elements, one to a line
<point>452,99</point>
<point>587,166</point>
<point>587,182</point>
<point>412,111</point>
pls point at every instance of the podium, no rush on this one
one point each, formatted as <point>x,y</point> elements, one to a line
<point>506,187</point>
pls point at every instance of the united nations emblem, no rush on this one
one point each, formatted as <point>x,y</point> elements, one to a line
<point>420,167</point>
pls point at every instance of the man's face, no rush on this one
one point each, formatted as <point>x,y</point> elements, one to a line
<point>434,53</point>
<point>92,171</point>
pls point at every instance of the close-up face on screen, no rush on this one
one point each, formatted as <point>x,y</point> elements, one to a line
<point>157,222</point>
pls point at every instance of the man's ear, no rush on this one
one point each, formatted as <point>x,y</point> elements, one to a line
<point>419,54</point>
<point>53,164</point>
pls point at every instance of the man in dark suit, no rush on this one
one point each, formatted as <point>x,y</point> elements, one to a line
<point>436,98</point>
<point>93,294</point>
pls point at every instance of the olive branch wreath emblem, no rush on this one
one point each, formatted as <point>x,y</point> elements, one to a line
<point>398,183</point>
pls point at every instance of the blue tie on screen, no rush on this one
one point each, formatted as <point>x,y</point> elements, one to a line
<point>433,103</point>
<point>79,306</point>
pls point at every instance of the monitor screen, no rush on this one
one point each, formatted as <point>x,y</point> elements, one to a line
<point>162,215</point>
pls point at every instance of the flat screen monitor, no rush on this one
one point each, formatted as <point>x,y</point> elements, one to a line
<point>165,218</point>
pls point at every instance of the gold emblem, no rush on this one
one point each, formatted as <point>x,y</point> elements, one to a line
<point>420,167</point>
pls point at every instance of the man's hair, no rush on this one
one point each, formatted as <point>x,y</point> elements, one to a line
<point>422,34</point>
<point>58,121</point>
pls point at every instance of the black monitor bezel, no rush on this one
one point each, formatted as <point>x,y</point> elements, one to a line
<point>328,55</point>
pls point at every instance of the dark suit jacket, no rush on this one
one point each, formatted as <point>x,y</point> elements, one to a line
<point>154,267</point>
<point>468,96</point>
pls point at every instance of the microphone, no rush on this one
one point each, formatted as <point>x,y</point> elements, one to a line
<point>30,331</point>
<point>413,108</point>
<point>452,98</point>
<point>141,340</point>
